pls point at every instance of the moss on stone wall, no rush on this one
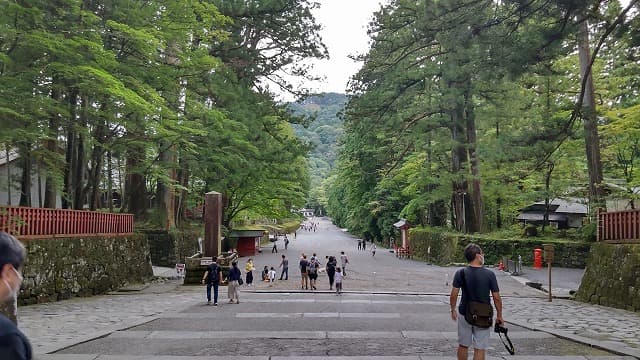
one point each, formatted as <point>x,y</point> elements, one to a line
<point>442,248</point>
<point>612,277</point>
<point>171,247</point>
<point>61,268</point>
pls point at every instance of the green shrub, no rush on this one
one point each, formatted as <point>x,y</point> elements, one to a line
<point>441,247</point>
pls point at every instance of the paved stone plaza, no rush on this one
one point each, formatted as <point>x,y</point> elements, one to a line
<point>391,309</point>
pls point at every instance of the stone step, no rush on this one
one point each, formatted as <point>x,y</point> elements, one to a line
<point>230,357</point>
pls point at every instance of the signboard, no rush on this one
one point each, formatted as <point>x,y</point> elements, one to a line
<point>206,261</point>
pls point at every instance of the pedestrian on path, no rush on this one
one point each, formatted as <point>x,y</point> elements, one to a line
<point>232,287</point>
<point>286,242</point>
<point>339,276</point>
<point>331,270</point>
<point>249,271</point>
<point>304,265</point>
<point>212,278</point>
<point>13,343</point>
<point>284,264</point>
<point>314,265</point>
<point>359,244</point>
<point>274,249</point>
<point>265,273</point>
<point>477,283</point>
<point>344,260</point>
<point>364,244</point>
<point>373,249</point>
<point>272,276</point>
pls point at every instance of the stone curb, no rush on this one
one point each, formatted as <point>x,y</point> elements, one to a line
<point>610,346</point>
<point>91,337</point>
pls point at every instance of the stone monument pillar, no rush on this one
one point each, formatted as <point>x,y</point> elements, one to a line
<point>212,224</point>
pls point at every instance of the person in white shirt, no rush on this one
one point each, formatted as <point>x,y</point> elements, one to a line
<point>272,275</point>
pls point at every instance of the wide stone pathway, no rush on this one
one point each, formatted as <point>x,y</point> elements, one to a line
<point>393,309</point>
<point>281,325</point>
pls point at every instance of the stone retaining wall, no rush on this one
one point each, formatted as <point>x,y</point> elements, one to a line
<point>612,277</point>
<point>446,248</point>
<point>171,247</point>
<point>61,268</point>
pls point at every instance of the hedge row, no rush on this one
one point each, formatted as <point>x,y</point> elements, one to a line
<point>442,248</point>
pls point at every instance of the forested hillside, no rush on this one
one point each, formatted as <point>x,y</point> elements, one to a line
<point>154,104</point>
<point>465,112</point>
<point>323,134</point>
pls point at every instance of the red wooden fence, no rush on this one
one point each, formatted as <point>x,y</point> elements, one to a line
<point>27,222</point>
<point>619,226</point>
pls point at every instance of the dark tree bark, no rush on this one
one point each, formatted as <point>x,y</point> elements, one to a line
<point>590,120</point>
<point>135,188</point>
<point>25,180</point>
<point>51,145</point>
<point>472,146</point>
<point>80,190</point>
<point>547,191</point>
<point>100,135</point>
<point>70,155</point>
<point>165,196</point>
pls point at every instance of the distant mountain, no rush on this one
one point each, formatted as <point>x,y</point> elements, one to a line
<point>323,133</point>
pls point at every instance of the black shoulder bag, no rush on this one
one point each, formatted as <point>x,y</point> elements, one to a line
<point>477,313</point>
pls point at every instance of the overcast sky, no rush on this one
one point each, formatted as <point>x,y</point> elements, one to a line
<point>344,33</point>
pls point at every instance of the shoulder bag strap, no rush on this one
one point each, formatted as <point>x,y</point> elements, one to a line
<point>507,345</point>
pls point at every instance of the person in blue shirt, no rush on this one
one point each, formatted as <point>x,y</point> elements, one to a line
<point>13,343</point>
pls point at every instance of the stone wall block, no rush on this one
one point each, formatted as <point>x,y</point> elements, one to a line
<point>615,270</point>
<point>61,268</point>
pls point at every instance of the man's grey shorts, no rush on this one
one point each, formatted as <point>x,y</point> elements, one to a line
<point>469,334</point>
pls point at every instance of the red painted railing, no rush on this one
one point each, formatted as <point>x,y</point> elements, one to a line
<point>25,222</point>
<point>619,226</point>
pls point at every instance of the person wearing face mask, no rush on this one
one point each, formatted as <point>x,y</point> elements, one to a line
<point>478,285</point>
<point>13,343</point>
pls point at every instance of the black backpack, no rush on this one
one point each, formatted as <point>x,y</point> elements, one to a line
<point>214,270</point>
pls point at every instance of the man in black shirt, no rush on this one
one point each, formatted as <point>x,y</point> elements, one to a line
<point>477,283</point>
<point>13,344</point>
<point>212,279</point>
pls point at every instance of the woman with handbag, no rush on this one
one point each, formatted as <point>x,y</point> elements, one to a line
<point>232,287</point>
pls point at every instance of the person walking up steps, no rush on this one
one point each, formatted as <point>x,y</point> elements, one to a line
<point>331,270</point>
<point>344,260</point>
<point>339,276</point>
<point>284,264</point>
<point>212,279</point>
<point>477,283</point>
<point>304,266</point>
<point>314,264</point>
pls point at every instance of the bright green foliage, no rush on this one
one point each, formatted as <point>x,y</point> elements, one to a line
<point>465,112</point>
<point>158,102</point>
<point>323,134</point>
